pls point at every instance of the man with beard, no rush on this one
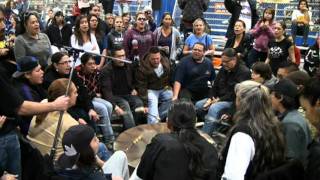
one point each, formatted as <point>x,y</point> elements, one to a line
<point>193,74</point>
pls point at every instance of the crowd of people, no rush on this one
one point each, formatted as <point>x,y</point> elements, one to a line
<point>65,81</point>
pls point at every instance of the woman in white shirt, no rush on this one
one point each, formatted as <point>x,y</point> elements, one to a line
<point>82,38</point>
<point>301,18</point>
<point>255,144</point>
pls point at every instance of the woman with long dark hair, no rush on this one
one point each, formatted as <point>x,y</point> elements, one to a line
<point>168,37</point>
<point>181,154</point>
<point>255,144</point>
<point>83,38</point>
<point>280,49</point>
<point>58,31</point>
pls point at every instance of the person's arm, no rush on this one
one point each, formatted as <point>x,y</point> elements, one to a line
<point>176,90</point>
<point>205,5</point>
<point>291,54</point>
<point>211,48</point>
<point>142,86</point>
<point>241,151</point>
<point>230,5</point>
<point>32,108</point>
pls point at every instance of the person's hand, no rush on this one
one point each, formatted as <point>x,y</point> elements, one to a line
<point>61,103</point>
<point>146,110</point>
<point>9,177</point>
<point>4,51</point>
<point>119,111</point>
<point>82,121</point>
<point>134,92</point>
<point>2,120</point>
<point>174,98</point>
<point>208,103</point>
<point>99,161</point>
<point>93,115</point>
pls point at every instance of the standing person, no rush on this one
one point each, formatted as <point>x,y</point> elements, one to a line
<point>59,32</point>
<point>241,42</point>
<point>138,40</point>
<point>310,102</point>
<point>192,75</point>
<point>312,58</point>
<point>109,20</point>
<point>191,10</point>
<point>167,37</point>
<point>301,18</point>
<point>95,10</point>
<point>153,85</point>
<point>150,20</point>
<point>185,153</point>
<point>115,37</point>
<point>199,35</point>
<point>280,49</point>
<point>241,9</point>
<point>126,21</point>
<point>82,38</point>
<point>263,33</point>
<point>256,143</point>
<point>31,42</point>
<point>122,95</point>
<point>100,36</point>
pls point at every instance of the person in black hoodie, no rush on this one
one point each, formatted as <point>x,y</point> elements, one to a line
<point>27,80</point>
<point>59,32</point>
<point>60,68</point>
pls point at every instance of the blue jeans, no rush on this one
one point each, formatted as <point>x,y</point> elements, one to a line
<point>104,109</point>
<point>211,120</point>
<point>10,155</point>
<point>103,153</point>
<point>156,97</point>
<point>302,29</point>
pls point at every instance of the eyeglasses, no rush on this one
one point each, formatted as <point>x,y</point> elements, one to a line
<point>199,50</point>
<point>142,19</point>
<point>93,20</point>
<point>65,62</point>
<point>148,12</point>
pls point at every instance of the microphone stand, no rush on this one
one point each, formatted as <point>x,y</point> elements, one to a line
<point>75,53</point>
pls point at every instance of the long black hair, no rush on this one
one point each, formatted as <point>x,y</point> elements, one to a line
<point>182,117</point>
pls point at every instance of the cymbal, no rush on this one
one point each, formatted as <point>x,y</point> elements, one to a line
<point>134,140</point>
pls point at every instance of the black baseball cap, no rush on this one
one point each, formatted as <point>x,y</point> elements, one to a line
<point>25,64</point>
<point>286,87</point>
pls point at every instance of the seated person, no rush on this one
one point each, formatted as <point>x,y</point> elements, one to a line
<point>153,87</point>
<point>262,73</point>
<point>117,87</point>
<point>255,144</point>
<point>60,68</point>
<point>43,127</point>
<point>193,75</point>
<point>89,74</point>
<point>181,154</point>
<point>295,127</point>
<point>222,94</point>
<point>310,102</point>
<point>79,158</point>
<point>301,19</point>
<point>285,68</point>
<point>28,81</point>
